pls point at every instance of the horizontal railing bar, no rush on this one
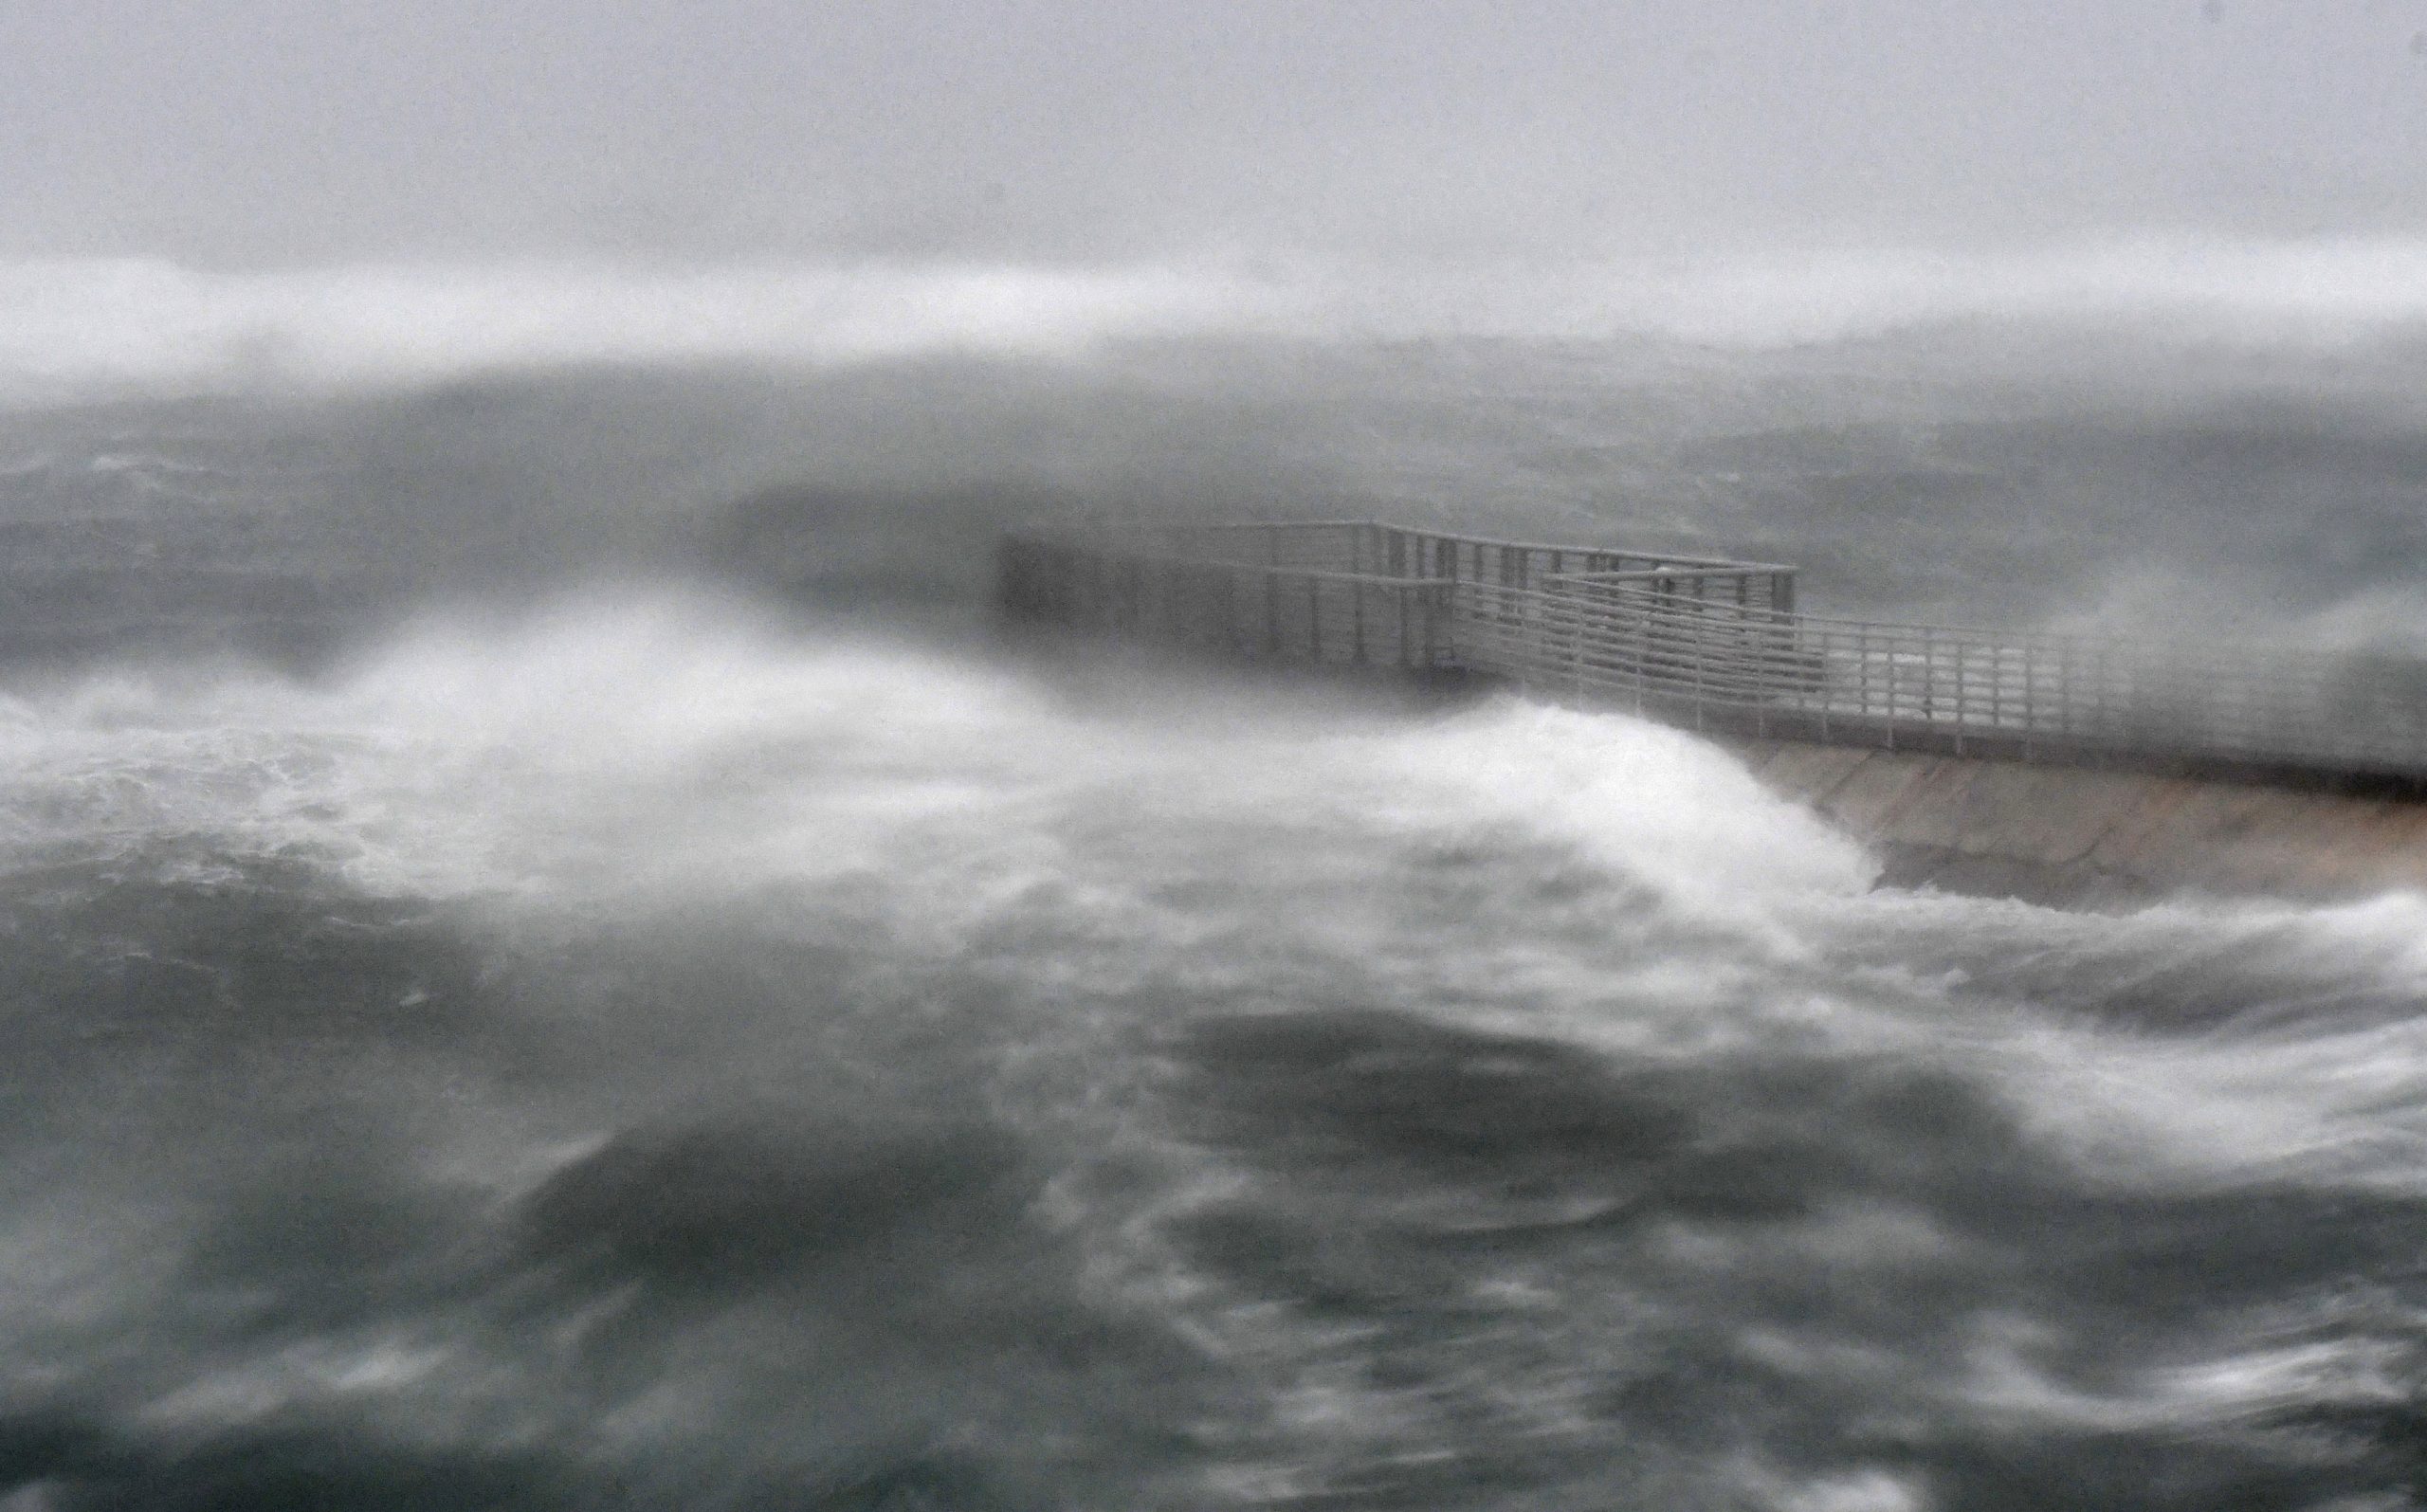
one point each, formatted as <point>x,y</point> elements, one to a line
<point>1710,569</point>
<point>1683,560</point>
<point>1571,549</point>
<point>1232,525</point>
<point>1381,581</point>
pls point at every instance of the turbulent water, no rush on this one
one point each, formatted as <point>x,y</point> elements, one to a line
<point>529,983</point>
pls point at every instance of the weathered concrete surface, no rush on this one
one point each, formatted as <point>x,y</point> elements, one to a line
<point>2072,834</point>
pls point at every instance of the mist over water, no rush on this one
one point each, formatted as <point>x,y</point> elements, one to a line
<point>555,960</point>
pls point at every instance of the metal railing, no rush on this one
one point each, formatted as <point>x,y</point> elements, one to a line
<point>1242,609</point>
<point>1374,548</point>
<point>1718,645</point>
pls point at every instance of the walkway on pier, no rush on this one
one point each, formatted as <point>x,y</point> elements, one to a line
<point>1718,646</point>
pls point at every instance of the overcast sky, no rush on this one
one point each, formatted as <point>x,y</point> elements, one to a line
<point>252,132</point>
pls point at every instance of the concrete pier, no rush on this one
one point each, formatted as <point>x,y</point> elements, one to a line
<point>2070,834</point>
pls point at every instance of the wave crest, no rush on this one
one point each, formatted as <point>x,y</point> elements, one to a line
<point>73,329</point>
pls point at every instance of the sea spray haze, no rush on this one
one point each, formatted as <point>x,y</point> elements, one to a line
<point>550,956</point>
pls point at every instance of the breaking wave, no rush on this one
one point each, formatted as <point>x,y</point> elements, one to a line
<point>73,329</point>
<point>78,329</point>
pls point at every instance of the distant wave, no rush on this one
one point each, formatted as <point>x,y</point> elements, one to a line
<point>73,329</point>
<point>2260,293</point>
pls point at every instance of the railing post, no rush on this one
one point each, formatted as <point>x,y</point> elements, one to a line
<point>1575,605</point>
<point>1642,656</point>
<point>1694,637</point>
<point>1963,699</point>
<point>1862,673</point>
<point>2029,699</point>
<point>1889,676</point>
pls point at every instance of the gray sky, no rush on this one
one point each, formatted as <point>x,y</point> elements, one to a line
<point>246,132</point>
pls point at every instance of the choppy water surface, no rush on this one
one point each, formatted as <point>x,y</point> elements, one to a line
<point>631,1050</point>
<point>635,1058</point>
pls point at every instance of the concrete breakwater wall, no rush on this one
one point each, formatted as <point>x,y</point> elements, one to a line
<point>2075,834</point>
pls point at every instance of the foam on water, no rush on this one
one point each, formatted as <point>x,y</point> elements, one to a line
<point>504,756</point>
<point>2187,1042</point>
<point>1334,1099</point>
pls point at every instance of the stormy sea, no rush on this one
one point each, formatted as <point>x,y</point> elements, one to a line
<point>554,956</point>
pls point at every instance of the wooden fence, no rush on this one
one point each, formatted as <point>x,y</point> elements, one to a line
<point>1716,645</point>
